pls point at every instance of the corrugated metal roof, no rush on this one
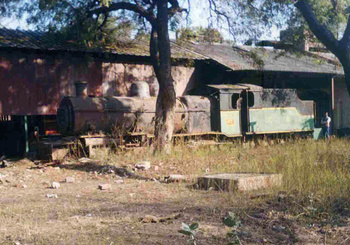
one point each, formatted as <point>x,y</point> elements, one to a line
<point>39,41</point>
<point>266,59</point>
<point>233,57</point>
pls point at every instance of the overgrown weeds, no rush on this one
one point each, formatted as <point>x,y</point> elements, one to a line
<point>315,173</point>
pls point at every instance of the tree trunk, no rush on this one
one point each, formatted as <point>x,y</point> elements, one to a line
<point>165,109</point>
<point>346,66</point>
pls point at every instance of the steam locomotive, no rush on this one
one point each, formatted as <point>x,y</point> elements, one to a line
<point>229,110</point>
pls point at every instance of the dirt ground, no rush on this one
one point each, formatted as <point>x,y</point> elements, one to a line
<point>84,214</point>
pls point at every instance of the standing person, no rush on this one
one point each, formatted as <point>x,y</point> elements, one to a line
<point>239,103</point>
<point>327,125</point>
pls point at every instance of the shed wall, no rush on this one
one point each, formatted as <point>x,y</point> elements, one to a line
<point>34,84</point>
<point>342,105</point>
<point>118,77</point>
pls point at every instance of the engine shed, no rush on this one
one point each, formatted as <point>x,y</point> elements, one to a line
<point>36,75</point>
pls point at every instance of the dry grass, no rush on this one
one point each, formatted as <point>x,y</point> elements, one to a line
<point>310,167</point>
<point>315,185</point>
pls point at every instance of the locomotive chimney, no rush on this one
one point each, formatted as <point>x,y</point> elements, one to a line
<point>81,89</point>
<point>139,89</point>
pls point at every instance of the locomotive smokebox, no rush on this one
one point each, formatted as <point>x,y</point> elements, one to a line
<point>81,89</point>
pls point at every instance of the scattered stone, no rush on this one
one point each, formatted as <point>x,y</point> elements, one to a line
<point>144,165</point>
<point>154,219</point>
<point>55,185</point>
<point>278,228</point>
<point>239,181</point>
<point>2,175</point>
<point>85,160</point>
<point>156,168</point>
<point>56,168</point>
<point>70,180</point>
<point>103,187</point>
<point>24,186</point>
<point>4,164</point>
<point>119,181</point>
<point>150,219</point>
<point>170,217</point>
<point>175,178</point>
<point>51,196</point>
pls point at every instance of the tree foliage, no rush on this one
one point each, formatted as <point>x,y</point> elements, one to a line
<point>199,34</point>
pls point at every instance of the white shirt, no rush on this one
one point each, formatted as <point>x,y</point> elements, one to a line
<point>326,121</point>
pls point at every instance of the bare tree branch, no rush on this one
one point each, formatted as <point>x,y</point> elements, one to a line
<point>126,6</point>
<point>213,7</point>
<point>346,36</point>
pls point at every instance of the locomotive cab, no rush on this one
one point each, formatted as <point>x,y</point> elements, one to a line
<point>245,109</point>
<point>230,113</point>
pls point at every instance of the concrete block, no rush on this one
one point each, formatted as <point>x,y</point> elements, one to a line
<point>70,180</point>
<point>59,154</point>
<point>176,178</point>
<point>55,185</point>
<point>144,165</point>
<point>239,181</point>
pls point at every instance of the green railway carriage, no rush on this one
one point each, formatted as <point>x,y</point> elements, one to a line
<point>245,109</point>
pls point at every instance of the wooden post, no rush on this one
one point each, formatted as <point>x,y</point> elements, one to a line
<point>333,106</point>
<point>26,134</point>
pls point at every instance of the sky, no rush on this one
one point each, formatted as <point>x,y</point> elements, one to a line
<point>199,17</point>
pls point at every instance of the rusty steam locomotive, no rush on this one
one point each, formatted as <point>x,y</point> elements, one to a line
<point>229,110</point>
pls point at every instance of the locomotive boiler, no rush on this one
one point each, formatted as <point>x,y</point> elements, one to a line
<point>85,114</point>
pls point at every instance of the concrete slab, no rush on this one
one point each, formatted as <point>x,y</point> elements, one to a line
<point>239,181</point>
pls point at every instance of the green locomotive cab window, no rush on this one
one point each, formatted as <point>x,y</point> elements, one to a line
<point>250,99</point>
<point>236,101</point>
